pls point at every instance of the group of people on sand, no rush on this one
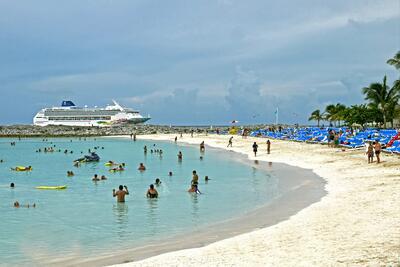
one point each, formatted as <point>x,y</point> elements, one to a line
<point>373,148</point>
<point>254,146</point>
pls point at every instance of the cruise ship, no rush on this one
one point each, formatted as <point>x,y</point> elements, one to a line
<point>70,115</point>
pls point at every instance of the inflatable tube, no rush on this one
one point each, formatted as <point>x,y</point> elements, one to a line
<point>111,164</point>
<point>60,187</point>
<point>21,169</point>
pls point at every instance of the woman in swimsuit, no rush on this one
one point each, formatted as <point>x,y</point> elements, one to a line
<point>152,192</point>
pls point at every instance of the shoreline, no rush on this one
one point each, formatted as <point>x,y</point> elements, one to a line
<point>296,193</point>
<point>356,223</point>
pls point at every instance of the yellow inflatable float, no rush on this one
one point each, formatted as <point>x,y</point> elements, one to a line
<point>22,169</point>
<point>59,187</point>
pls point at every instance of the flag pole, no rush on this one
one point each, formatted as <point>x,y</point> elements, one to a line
<point>276,116</point>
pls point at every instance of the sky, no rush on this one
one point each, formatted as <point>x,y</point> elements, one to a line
<point>194,62</point>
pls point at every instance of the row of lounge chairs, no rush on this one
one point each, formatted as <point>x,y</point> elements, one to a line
<point>389,138</point>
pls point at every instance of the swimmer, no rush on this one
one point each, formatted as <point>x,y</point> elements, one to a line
<point>145,149</point>
<point>158,182</point>
<point>103,177</point>
<point>194,189</point>
<point>201,157</point>
<point>141,167</point>
<point>120,194</point>
<point>70,173</point>
<point>16,204</point>
<point>170,174</point>
<point>152,192</point>
<point>95,178</point>
<point>206,178</point>
<point>12,185</point>
<point>180,156</point>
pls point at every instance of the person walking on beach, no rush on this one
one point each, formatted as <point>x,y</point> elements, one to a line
<point>120,194</point>
<point>255,147</point>
<point>377,148</point>
<point>230,142</point>
<point>370,153</point>
<point>268,146</point>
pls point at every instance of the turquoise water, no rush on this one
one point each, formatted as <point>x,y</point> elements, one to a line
<point>85,221</point>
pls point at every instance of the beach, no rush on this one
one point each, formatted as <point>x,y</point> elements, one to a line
<point>356,224</point>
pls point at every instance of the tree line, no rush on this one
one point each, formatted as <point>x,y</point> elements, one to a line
<point>382,105</point>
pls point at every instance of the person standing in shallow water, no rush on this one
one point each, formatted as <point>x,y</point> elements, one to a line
<point>255,147</point>
<point>202,147</point>
<point>120,194</point>
<point>268,146</point>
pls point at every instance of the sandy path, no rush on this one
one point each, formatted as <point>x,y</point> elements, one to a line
<point>356,224</point>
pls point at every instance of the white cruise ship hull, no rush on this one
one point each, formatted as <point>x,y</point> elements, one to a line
<point>70,115</point>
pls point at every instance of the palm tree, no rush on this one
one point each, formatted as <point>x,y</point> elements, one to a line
<point>383,98</point>
<point>316,115</point>
<point>335,113</point>
<point>395,61</point>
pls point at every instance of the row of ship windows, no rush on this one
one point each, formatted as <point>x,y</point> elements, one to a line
<point>79,118</point>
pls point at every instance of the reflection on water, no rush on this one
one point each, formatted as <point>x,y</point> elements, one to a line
<point>120,211</point>
<point>195,206</point>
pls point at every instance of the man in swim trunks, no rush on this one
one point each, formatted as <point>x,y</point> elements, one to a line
<point>377,148</point>
<point>120,194</point>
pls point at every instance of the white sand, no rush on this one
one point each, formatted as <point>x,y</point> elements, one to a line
<point>356,224</point>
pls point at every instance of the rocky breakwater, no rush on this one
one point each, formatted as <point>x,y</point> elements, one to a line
<point>60,131</point>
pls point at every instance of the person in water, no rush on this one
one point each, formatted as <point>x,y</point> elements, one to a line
<point>95,178</point>
<point>141,167</point>
<point>180,156</point>
<point>120,194</point>
<point>70,173</point>
<point>158,182</point>
<point>255,147</point>
<point>12,185</point>
<point>202,147</point>
<point>170,174</point>
<point>195,178</point>
<point>145,149</point>
<point>103,177</point>
<point>152,192</point>
<point>206,178</point>
<point>194,189</point>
